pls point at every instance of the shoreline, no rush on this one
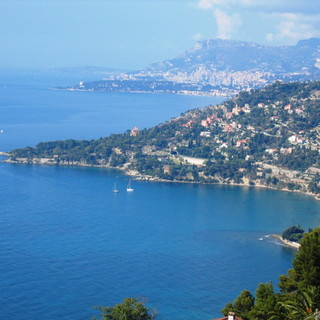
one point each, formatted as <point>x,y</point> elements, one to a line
<point>6,154</point>
<point>290,244</point>
<point>141,177</point>
<point>193,94</point>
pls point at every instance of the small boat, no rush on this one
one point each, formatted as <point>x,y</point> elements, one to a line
<point>129,188</point>
<point>115,190</point>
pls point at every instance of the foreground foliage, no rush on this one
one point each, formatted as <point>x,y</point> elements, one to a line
<point>298,299</point>
<point>299,296</point>
<point>128,309</point>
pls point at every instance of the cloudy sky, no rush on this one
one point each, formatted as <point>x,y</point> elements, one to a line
<point>134,33</point>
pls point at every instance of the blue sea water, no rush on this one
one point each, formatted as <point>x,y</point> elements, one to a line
<point>31,112</point>
<point>67,243</point>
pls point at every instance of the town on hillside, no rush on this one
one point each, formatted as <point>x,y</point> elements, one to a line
<point>264,137</point>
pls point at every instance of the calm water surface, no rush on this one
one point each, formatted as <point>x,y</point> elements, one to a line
<point>67,243</point>
<point>30,112</point>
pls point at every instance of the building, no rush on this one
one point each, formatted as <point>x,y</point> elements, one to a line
<point>242,142</point>
<point>205,134</point>
<point>134,132</point>
<point>188,124</point>
<point>228,128</point>
<point>166,170</point>
<point>205,123</point>
<point>230,316</point>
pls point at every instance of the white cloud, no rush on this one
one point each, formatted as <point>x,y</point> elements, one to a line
<point>306,6</point>
<point>293,27</point>
<point>286,21</point>
<point>208,4</point>
<point>227,24</point>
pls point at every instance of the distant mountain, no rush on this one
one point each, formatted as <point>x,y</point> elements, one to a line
<point>238,63</point>
<point>216,66</point>
<point>221,55</point>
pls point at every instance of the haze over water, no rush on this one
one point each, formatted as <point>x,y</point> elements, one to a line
<point>67,243</point>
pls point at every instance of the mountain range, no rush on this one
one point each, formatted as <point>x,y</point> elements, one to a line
<point>216,66</point>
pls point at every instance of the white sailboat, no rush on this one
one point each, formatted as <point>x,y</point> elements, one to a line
<point>129,188</point>
<point>115,190</point>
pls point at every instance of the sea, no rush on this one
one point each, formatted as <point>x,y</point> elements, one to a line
<point>69,244</point>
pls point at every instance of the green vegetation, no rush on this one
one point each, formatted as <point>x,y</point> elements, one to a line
<point>299,295</point>
<point>129,309</point>
<point>267,137</point>
<point>294,233</point>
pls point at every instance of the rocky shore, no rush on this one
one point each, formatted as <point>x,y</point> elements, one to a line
<point>133,173</point>
<point>291,244</point>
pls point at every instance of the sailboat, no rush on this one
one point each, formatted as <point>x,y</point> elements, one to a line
<point>115,190</point>
<point>129,188</point>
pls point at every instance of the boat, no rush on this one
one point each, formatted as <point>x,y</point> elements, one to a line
<point>129,188</point>
<point>115,190</point>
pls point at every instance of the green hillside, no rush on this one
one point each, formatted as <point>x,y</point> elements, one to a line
<point>266,137</point>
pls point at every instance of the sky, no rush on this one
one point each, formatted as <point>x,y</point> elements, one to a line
<point>131,34</point>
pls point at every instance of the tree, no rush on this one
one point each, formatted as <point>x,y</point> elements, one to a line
<point>227,308</point>
<point>303,305</point>
<point>294,233</point>
<point>128,309</point>
<point>288,283</point>
<point>307,261</point>
<point>264,303</point>
<point>243,304</point>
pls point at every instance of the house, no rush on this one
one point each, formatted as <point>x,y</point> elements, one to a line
<point>285,151</point>
<point>246,108</point>
<point>271,151</point>
<point>205,123</point>
<point>229,115</point>
<point>188,124</point>
<point>205,134</point>
<point>166,170</point>
<point>236,110</point>
<point>134,132</point>
<point>293,139</point>
<point>228,128</point>
<point>230,316</point>
<point>224,145</point>
<point>242,142</point>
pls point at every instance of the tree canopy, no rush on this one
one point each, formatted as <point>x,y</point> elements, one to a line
<point>128,309</point>
<point>300,289</point>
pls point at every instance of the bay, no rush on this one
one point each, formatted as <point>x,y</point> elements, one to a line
<point>67,243</point>
<point>30,111</point>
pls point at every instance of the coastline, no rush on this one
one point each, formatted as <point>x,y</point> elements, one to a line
<point>182,93</point>
<point>141,177</point>
<point>291,244</point>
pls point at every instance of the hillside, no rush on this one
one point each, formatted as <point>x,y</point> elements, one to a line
<point>221,67</point>
<point>268,137</point>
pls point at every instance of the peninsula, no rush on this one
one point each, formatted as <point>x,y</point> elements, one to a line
<point>266,137</point>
